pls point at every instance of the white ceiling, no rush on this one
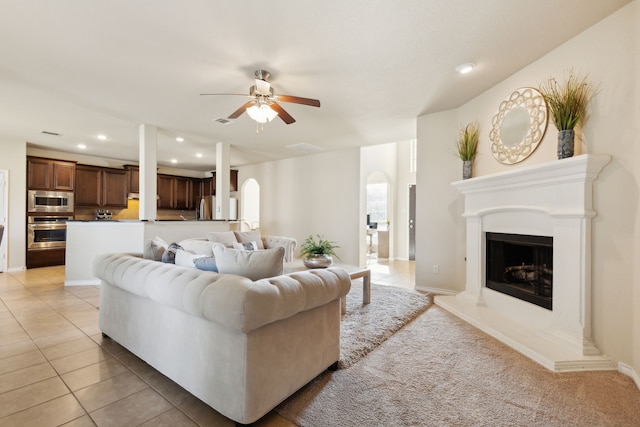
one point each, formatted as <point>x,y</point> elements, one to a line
<point>80,68</point>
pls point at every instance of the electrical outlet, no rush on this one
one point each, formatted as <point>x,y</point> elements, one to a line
<point>436,269</point>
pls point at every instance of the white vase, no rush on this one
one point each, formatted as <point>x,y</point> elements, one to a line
<point>466,169</point>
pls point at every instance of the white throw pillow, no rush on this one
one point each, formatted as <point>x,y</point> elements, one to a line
<point>186,259</point>
<point>248,246</point>
<point>199,246</point>
<point>254,265</point>
<point>248,237</point>
<point>154,249</point>
<point>227,238</point>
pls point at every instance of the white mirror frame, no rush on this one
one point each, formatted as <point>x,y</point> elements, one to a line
<point>533,102</point>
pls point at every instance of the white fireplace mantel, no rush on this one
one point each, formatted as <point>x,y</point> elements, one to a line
<point>552,199</point>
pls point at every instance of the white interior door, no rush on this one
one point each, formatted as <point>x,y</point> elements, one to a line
<point>4,206</point>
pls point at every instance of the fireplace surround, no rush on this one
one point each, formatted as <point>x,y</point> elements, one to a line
<point>553,200</point>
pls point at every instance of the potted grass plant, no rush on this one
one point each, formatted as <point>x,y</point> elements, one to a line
<point>567,104</point>
<point>317,252</point>
<point>467,147</point>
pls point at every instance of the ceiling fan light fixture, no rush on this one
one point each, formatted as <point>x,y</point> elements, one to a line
<point>261,113</point>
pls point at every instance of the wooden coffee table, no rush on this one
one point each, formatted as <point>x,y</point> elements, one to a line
<point>354,271</point>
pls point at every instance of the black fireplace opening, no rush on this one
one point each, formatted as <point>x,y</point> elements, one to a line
<point>521,266</point>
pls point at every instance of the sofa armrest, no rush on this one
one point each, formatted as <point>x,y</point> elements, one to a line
<point>288,243</point>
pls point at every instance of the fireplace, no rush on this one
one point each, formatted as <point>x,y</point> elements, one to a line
<point>528,261</point>
<point>521,266</point>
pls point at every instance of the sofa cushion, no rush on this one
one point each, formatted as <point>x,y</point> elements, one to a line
<point>169,256</point>
<point>227,238</point>
<point>154,249</point>
<point>254,265</point>
<point>186,259</point>
<point>247,246</point>
<point>206,263</point>
<point>200,246</point>
<point>248,237</point>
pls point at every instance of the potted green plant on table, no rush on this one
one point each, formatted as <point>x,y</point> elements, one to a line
<point>467,146</point>
<point>567,104</point>
<point>317,252</point>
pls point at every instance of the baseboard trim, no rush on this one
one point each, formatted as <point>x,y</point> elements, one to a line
<point>16,269</point>
<point>436,290</point>
<point>92,282</point>
<point>627,370</point>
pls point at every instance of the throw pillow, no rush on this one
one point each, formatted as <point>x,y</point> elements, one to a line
<point>248,237</point>
<point>248,246</point>
<point>186,259</point>
<point>169,256</point>
<point>207,263</point>
<point>154,249</point>
<point>227,238</point>
<point>199,246</point>
<point>254,265</point>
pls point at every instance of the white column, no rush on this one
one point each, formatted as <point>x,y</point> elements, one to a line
<point>223,180</point>
<point>148,172</point>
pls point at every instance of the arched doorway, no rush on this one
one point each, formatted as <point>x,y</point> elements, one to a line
<point>250,204</point>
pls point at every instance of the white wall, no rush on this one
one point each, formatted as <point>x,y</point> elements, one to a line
<point>13,158</point>
<point>316,194</point>
<point>609,53</point>
<point>404,177</point>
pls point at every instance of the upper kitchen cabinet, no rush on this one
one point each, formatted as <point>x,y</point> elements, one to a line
<point>48,174</point>
<point>176,192</point>
<point>101,187</point>
<point>209,184</point>
<point>134,178</point>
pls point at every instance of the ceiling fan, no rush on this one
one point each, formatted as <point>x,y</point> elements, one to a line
<point>264,106</point>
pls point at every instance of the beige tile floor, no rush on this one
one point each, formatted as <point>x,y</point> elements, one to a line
<point>56,369</point>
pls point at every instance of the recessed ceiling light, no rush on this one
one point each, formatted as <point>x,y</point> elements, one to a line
<point>102,137</point>
<point>465,68</point>
<point>180,139</point>
<point>174,161</point>
<point>82,146</point>
<point>199,155</point>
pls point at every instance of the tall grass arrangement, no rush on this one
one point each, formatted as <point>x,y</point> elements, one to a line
<point>467,143</point>
<point>568,102</point>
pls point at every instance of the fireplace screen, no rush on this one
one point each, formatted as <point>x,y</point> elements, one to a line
<point>521,266</point>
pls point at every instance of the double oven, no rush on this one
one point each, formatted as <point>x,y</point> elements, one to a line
<point>48,212</point>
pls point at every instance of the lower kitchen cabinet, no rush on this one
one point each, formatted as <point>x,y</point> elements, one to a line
<point>45,257</point>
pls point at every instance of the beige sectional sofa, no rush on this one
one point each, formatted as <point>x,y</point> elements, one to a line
<point>241,346</point>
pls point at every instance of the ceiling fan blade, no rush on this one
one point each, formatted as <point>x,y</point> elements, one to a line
<point>299,100</point>
<point>286,117</point>
<point>241,110</point>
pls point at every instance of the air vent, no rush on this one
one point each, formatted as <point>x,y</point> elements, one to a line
<point>303,147</point>
<point>223,121</point>
<point>46,132</point>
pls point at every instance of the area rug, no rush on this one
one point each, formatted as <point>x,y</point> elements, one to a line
<point>364,327</point>
<point>441,371</point>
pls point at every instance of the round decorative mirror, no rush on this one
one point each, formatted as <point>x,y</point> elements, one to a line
<point>519,125</point>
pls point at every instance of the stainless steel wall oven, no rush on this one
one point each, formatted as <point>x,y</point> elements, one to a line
<point>47,232</point>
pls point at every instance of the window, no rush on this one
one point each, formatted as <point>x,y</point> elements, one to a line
<point>377,202</point>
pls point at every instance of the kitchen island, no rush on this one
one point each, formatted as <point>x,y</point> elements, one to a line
<point>88,238</point>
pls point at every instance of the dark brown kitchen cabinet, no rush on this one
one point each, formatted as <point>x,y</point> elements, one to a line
<point>134,178</point>
<point>165,191</point>
<point>209,184</point>
<point>49,174</point>
<point>101,187</point>
<point>175,192</point>
<point>183,193</point>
